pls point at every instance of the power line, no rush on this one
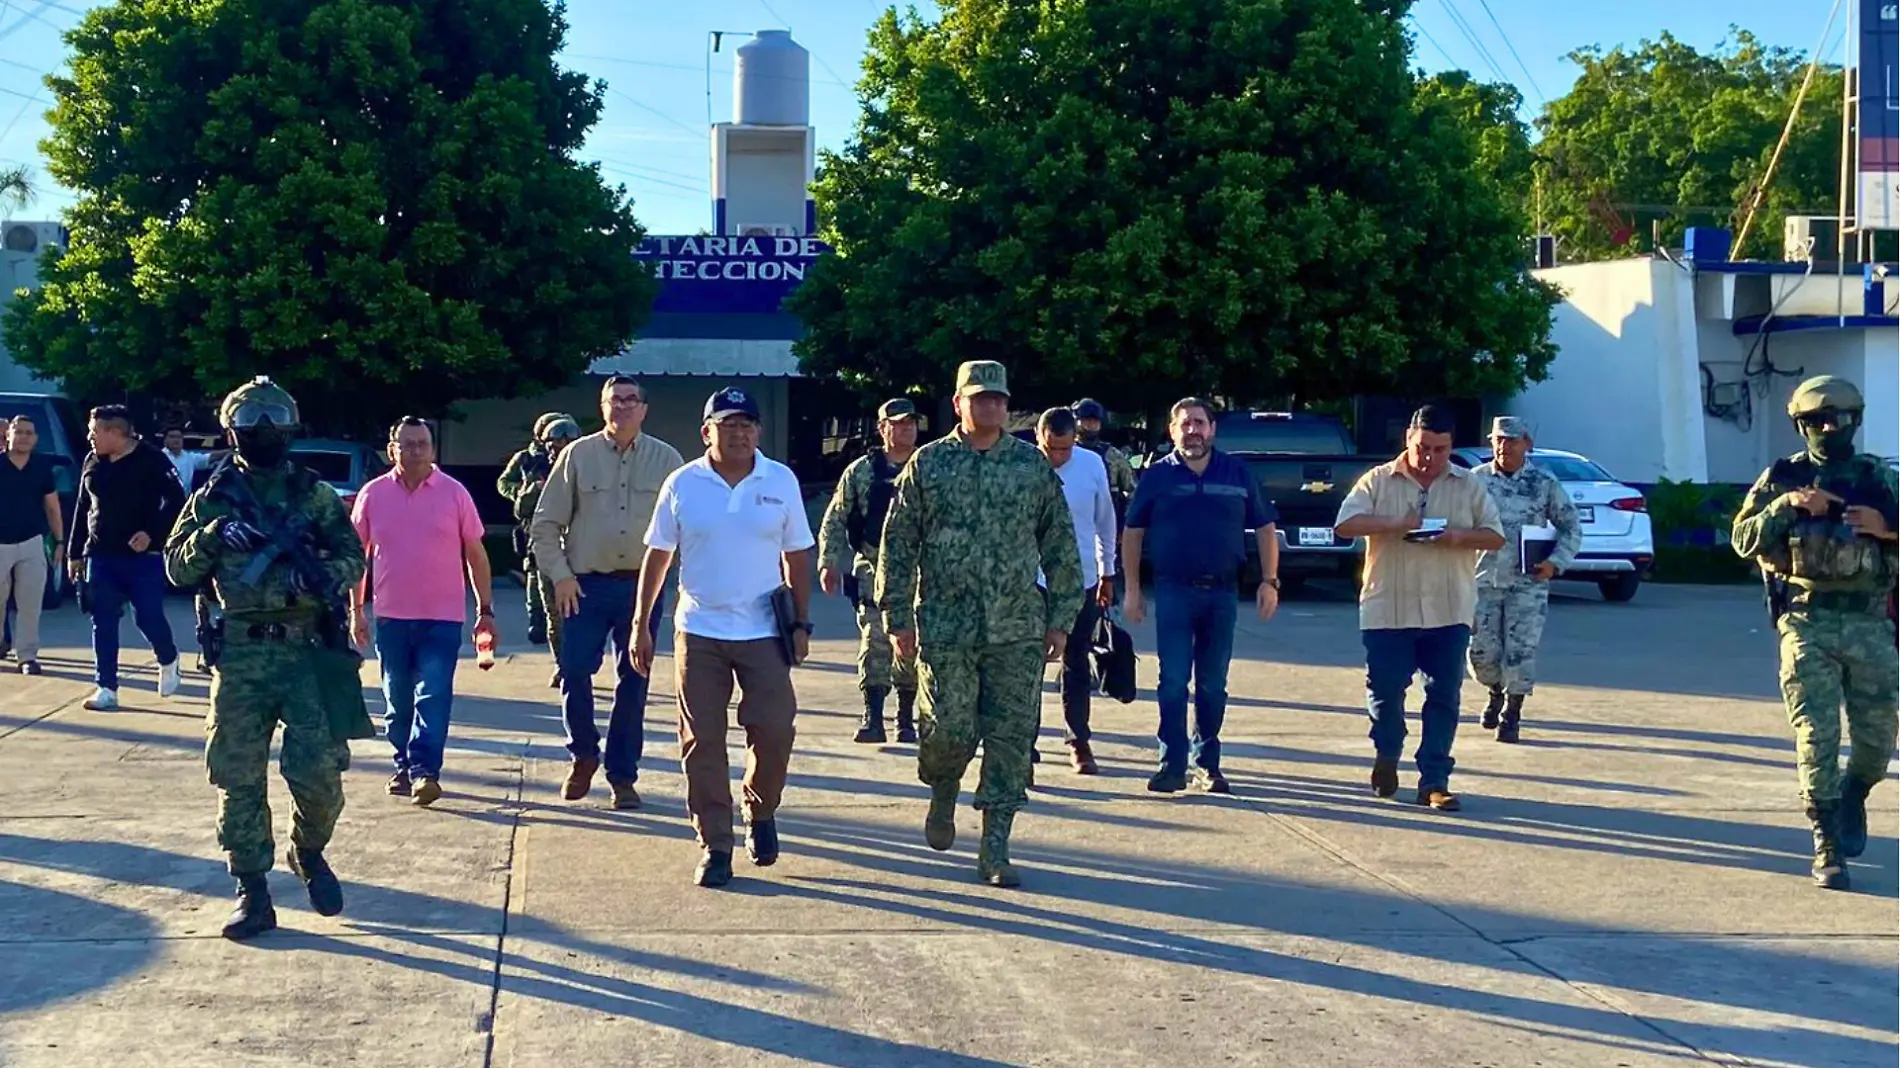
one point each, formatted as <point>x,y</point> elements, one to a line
<point>1521,65</point>
<point>826,67</point>
<point>1458,23</point>
<point>656,111</point>
<point>1433,41</point>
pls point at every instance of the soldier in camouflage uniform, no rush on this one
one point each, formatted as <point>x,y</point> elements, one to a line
<point>1821,525</point>
<point>268,534</point>
<point>1089,416</point>
<point>1512,605</point>
<point>522,478</point>
<point>976,514</point>
<point>847,556</point>
<point>521,483</point>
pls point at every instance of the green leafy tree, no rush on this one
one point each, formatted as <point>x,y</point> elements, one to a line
<point>1668,134</point>
<point>1135,200</point>
<point>374,201</point>
<point>1488,113</point>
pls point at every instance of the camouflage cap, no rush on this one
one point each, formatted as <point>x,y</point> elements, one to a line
<point>1825,391</point>
<point>976,377</point>
<point>256,401</point>
<point>897,408</point>
<point>1510,427</point>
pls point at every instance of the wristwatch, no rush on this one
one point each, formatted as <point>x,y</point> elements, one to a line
<point>485,613</point>
<point>1272,580</point>
<point>806,627</point>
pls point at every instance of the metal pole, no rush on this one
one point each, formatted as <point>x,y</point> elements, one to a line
<point>1849,75</point>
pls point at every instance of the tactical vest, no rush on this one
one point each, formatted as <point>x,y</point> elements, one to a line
<point>865,527</point>
<point>1823,551</point>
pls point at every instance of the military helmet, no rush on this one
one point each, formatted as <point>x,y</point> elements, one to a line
<point>541,423</point>
<point>1824,392</point>
<point>560,429</point>
<point>1089,408</point>
<point>256,402</point>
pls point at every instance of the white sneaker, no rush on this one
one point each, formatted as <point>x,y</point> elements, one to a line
<point>103,700</point>
<point>168,679</point>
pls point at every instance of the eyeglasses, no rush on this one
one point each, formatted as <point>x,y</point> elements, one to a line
<point>626,402</point>
<point>255,413</point>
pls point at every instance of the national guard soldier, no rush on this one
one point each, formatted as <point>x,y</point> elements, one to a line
<point>1089,416</point>
<point>847,555</point>
<point>1513,603</point>
<point>976,514</point>
<point>521,481</point>
<point>1821,525</point>
<point>281,554</point>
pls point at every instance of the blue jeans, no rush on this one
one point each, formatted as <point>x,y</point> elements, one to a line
<point>1194,630</point>
<point>418,661</point>
<point>1392,658</point>
<point>606,614</point>
<point>116,580</point>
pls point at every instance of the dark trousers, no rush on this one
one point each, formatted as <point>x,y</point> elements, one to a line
<point>418,658</point>
<point>1392,658</point>
<point>138,579</point>
<point>605,615</point>
<point>1194,633</point>
<point>1077,680</point>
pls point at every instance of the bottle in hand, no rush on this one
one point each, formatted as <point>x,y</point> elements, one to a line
<point>485,650</point>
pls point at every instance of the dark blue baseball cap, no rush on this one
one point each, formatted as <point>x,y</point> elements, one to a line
<point>731,401</point>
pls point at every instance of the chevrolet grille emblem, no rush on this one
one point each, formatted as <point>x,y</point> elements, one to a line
<point>1317,487</point>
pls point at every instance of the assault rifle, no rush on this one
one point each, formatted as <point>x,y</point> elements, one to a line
<point>292,540</point>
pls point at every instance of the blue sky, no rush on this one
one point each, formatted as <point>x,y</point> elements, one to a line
<point>653,53</point>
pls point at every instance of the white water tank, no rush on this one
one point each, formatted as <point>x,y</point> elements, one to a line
<point>771,81</point>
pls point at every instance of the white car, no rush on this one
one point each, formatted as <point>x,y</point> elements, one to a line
<point>1618,546</point>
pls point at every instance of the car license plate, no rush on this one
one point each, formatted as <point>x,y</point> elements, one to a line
<point>1586,513</point>
<point>1316,536</point>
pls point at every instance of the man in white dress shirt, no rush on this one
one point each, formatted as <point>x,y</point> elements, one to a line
<point>1085,485</point>
<point>737,522</point>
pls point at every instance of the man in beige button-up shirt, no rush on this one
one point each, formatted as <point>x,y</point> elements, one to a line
<point>587,537</point>
<point>1425,522</point>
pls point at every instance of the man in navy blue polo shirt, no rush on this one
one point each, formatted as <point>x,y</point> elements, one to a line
<point>1199,503</point>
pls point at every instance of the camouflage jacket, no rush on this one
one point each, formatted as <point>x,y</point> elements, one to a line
<point>1816,552</point>
<point>966,534</point>
<point>834,537</point>
<point>1121,474</point>
<point>1532,497</point>
<point>523,479</point>
<point>194,551</point>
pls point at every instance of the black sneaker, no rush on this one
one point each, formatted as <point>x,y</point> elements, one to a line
<point>1212,782</point>
<point>715,868</point>
<point>1385,777</point>
<point>761,842</point>
<point>31,667</point>
<point>1167,782</point>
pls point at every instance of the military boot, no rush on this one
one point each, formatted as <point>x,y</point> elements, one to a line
<point>907,717</point>
<point>940,824</point>
<point>992,857</point>
<point>1491,709</point>
<point>1830,871</point>
<point>1853,816</point>
<point>254,914</point>
<point>871,728</point>
<point>1513,712</point>
<point>326,893</point>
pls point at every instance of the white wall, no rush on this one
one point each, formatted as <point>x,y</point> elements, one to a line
<point>1625,372</point>
<point>18,270</point>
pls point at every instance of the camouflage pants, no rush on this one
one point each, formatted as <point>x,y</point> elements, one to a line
<point>878,664</point>
<point>1506,634</point>
<point>1832,661</point>
<point>541,592</point>
<point>257,686</point>
<point>990,694</point>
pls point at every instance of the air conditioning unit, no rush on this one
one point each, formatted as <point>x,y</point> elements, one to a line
<point>768,230</point>
<point>32,238</point>
<point>1812,237</point>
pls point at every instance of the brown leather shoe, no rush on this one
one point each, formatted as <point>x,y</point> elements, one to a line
<point>626,798</point>
<point>1442,800</point>
<point>1385,777</point>
<point>580,778</point>
<point>1082,758</point>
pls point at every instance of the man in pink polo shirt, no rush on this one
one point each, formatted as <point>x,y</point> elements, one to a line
<point>421,533</point>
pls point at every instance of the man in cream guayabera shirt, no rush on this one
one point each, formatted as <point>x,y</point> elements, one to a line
<point>587,538</point>
<point>1425,522</point>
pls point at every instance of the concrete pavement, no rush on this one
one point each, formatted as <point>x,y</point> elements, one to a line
<point>1627,887</point>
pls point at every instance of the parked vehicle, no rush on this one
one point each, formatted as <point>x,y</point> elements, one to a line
<point>344,466</point>
<point>1619,548</point>
<point>62,433</point>
<point>1305,464</point>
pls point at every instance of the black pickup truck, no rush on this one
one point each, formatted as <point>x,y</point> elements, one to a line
<point>1305,464</point>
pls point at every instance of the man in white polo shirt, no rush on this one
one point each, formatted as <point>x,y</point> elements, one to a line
<point>737,521</point>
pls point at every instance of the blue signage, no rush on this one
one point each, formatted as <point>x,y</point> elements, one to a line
<point>1878,206</point>
<point>727,275</point>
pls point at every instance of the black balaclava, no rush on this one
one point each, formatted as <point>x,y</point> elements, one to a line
<point>263,446</point>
